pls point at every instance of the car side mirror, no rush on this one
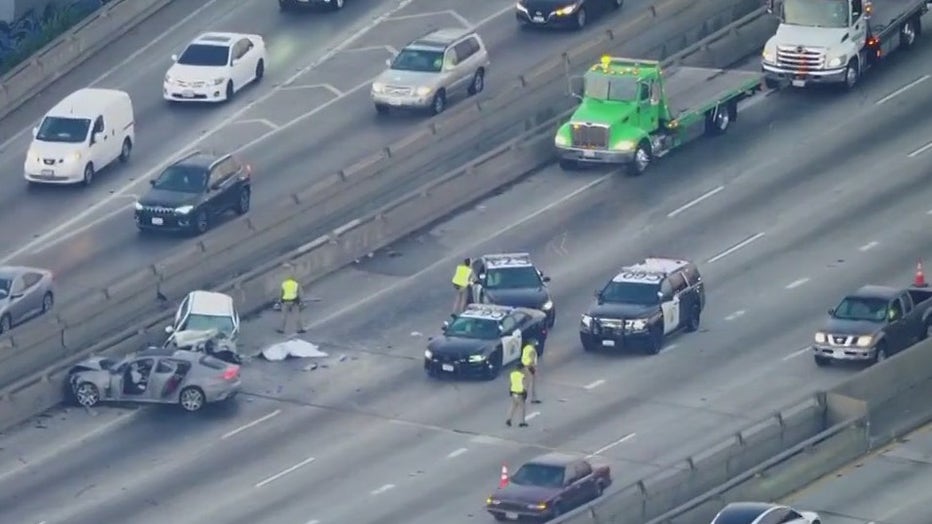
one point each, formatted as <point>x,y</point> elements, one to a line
<point>388,62</point>
<point>35,131</point>
<point>576,87</point>
<point>216,185</point>
<point>174,58</point>
<point>831,312</point>
<point>152,182</point>
<point>446,324</point>
<point>17,295</point>
<point>771,6</point>
<point>169,329</point>
<point>546,279</point>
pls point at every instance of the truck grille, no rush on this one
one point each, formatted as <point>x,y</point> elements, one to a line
<point>158,210</point>
<point>800,58</point>
<point>589,135</point>
<point>398,90</point>
<point>195,84</point>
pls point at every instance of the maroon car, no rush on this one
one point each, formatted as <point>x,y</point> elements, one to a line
<point>547,487</point>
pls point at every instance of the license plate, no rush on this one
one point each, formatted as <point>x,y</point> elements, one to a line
<point>608,343</point>
<point>838,353</point>
<point>539,20</point>
<point>187,93</point>
<point>511,516</point>
<point>48,172</point>
<point>799,83</point>
<point>588,154</point>
<point>157,221</point>
<point>447,367</point>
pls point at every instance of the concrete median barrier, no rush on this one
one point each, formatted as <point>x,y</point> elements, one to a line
<point>272,233</point>
<point>72,49</point>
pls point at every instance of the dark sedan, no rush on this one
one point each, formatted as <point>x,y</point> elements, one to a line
<point>561,13</point>
<point>482,340</point>
<point>547,487</point>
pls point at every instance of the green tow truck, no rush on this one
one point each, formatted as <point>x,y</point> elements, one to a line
<point>631,112</point>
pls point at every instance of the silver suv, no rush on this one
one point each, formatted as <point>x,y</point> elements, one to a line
<point>431,70</point>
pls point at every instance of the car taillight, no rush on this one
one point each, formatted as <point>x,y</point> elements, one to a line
<point>231,373</point>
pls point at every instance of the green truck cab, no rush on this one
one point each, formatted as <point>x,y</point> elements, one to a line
<point>632,112</point>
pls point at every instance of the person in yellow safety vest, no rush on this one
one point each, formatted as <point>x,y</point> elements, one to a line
<point>291,302</point>
<point>462,279</point>
<point>518,393</point>
<point>529,361</point>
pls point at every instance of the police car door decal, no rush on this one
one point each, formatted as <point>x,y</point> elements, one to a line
<point>512,345</point>
<point>671,314</point>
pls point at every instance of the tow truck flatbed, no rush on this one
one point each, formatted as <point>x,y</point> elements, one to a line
<point>695,90</point>
<point>889,14</point>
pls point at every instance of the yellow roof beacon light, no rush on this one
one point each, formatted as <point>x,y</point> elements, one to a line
<point>605,61</point>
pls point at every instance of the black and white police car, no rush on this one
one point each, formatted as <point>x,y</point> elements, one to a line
<point>482,340</point>
<point>512,279</point>
<point>644,303</point>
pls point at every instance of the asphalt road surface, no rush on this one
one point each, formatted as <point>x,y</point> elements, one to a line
<point>310,117</point>
<point>813,195</point>
<point>890,486</point>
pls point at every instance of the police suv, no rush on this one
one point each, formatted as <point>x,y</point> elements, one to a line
<point>482,340</point>
<point>644,303</point>
<point>511,279</point>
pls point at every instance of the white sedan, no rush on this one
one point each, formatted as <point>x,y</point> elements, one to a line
<point>214,67</point>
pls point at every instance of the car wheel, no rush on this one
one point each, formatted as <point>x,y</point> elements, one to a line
<point>822,361</point>
<point>6,324</point>
<point>439,103</point>
<point>260,70</point>
<point>582,18</point>
<point>47,302</point>
<point>655,342</point>
<point>337,4</point>
<point>494,365</point>
<point>718,120</point>
<point>553,318</point>
<point>557,511</point>
<point>641,160</point>
<point>908,33</point>
<point>126,150</point>
<point>499,517</point>
<point>852,74</point>
<point>478,82</point>
<point>242,206</point>
<point>87,394</point>
<point>588,347</point>
<point>599,489</point>
<point>692,323</point>
<point>230,91</point>
<point>201,222</point>
<point>88,174</point>
<point>191,399</point>
<point>880,353</point>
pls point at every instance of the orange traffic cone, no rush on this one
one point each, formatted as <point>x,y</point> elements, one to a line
<point>920,279</point>
<point>503,481</point>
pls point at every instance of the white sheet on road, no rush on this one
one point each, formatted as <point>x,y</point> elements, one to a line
<point>294,348</point>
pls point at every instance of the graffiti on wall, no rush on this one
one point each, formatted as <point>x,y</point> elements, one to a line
<point>40,26</point>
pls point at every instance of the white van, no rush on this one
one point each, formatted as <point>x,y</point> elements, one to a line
<point>82,134</point>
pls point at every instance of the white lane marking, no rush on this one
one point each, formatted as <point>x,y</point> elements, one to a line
<point>284,472</point>
<point>695,201</point>
<point>128,60</point>
<point>313,522</point>
<point>457,255</point>
<point>454,454</point>
<point>797,353</point>
<point>736,247</point>
<point>605,448</point>
<point>920,151</point>
<point>382,489</point>
<point>71,444</point>
<point>297,87</point>
<point>868,246</point>
<point>736,315</point>
<point>487,440</point>
<point>593,385</point>
<point>264,121</point>
<point>796,283</point>
<point>449,12</point>
<point>248,425</point>
<point>49,239</point>
<point>529,416</point>
<point>391,50</point>
<point>903,89</point>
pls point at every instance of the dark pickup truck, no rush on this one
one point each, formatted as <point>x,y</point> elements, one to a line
<point>547,487</point>
<point>874,323</point>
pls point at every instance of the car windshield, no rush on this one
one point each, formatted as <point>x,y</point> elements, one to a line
<point>205,55</point>
<point>860,308</point>
<point>538,475</point>
<point>184,179</point>
<point>512,278</point>
<point>816,13</point>
<point>472,327</point>
<point>207,322</point>
<point>612,88</point>
<point>5,287</point>
<point>631,293</point>
<point>418,60</point>
<point>69,130</point>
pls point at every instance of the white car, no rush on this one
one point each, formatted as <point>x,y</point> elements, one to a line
<point>763,513</point>
<point>206,311</point>
<point>214,67</point>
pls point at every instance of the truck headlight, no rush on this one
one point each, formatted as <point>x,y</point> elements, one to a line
<point>625,145</point>
<point>378,87</point>
<point>636,324</point>
<point>547,306</point>
<point>138,206</point>
<point>820,338</point>
<point>769,55</point>
<point>837,61</point>
<point>586,321</point>
<point>560,140</point>
<point>476,358</point>
<point>428,354</point>
<point>184,210</point>
<point>423,91</point>
<point>865,342</point>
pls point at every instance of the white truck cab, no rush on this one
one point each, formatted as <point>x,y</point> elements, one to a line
<point>835,41</point>
<point>84,133</point>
